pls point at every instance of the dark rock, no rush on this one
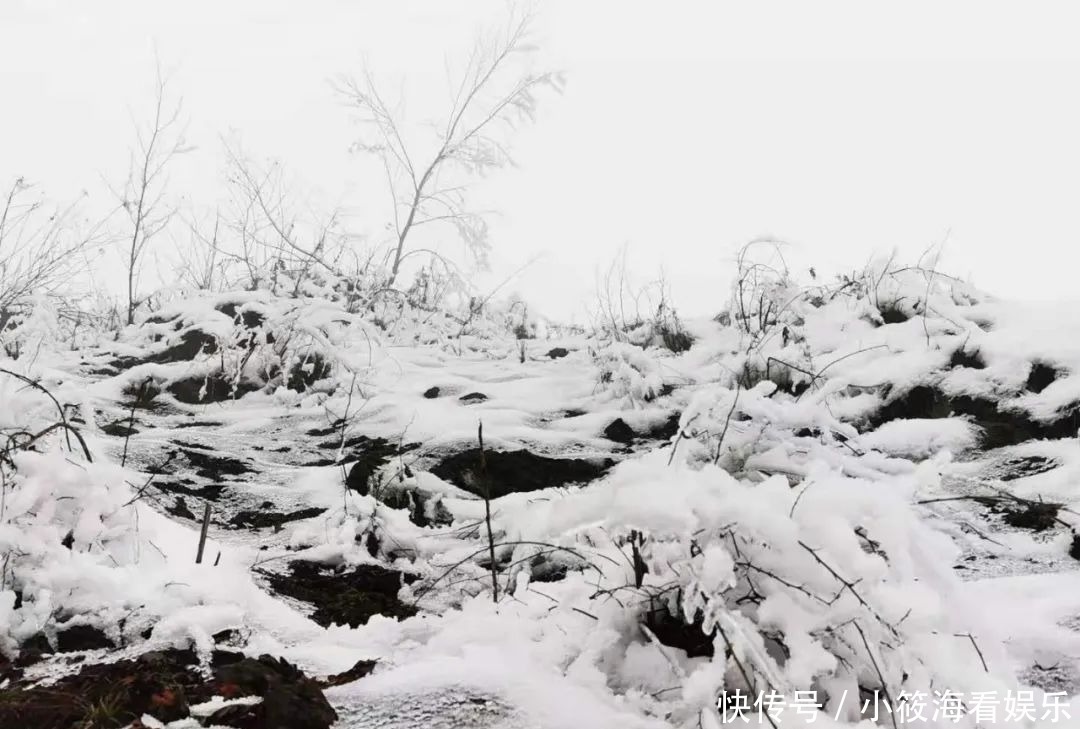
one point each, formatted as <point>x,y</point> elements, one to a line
<point>214,387</point>
<point>516,471</point>
<point>274,519</point>
<point>473,397</point>
<point>963,358</point>
<point>431,393</point>
<point>81,638</point>
<point>345,598</point>
<point>619,432</point>
<point>357,672</point>
<point>1074,548</point>
<point>1040,377</point>
<point>808,433</point>
<point>557,352</point>
<point>290,700</point>
<point>190,345</point>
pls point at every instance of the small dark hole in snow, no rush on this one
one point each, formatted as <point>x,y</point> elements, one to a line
<point>1040,377</point>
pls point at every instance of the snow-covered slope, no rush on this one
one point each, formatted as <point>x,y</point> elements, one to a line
<point>859,492</point>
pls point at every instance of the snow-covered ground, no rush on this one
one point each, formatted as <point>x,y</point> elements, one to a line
<point>864,489</point>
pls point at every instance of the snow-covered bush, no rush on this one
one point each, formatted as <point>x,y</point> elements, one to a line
<point>627,373</point>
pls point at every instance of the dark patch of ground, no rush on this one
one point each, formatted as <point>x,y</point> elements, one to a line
<point>963,358</point>
<point>307,372</point>
<point>369,455</point>
<point>673,631</point>
<point>213,467</point>
<point>473,397</point>
<point>999,427</point>
<point>1022,514</point>
<point>119,428</point>
<point>1025,466</point>
<point>431,393</point>
<point>186,487</point>
<point>273,519</point>
<point>1041,377</point>
<point>517,471</point>
<point>214,387</point>
<point>557,352</point>
<point>345,598</point>
<point>180,509</point>
<point>164,684</point>
<point>81,638</point>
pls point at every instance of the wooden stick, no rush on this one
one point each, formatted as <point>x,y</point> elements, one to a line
<point>202,533</point>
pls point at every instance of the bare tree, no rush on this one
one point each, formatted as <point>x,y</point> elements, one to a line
<point>488,101</point>
<point>273,236</point>
<point>40,248</point>
<point>144,195</point>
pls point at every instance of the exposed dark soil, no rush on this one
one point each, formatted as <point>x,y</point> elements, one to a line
<point>345,598</point>
<point>272,519</point>
<point>81,638</point>
<point>963,358</point>
<point>673,631</point>
<point>249,318</point>
<point>187,487</point>
<point>473,397</point>
<point>307,372</point>
<point>213,467</point>
<point>180,509</point>
<point>1025,466</point>
<point>517,471</point>
<point>1036,516</point>
<point>119,428</point>
<point>557,352</point>
<point>215,387</point>
<point>190,345</point>
<point>999,428</point>
<point>369,454</point>
<point>1040,377</point>
<point>164,684</point>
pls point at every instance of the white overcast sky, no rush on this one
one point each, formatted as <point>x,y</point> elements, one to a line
<point>686,128</point>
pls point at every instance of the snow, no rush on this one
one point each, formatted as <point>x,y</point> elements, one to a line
<point>814,548</point>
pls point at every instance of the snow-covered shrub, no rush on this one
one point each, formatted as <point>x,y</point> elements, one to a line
<point>627,373</point>
<point>220,346</point>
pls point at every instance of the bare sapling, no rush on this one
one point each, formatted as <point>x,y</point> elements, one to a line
<point>429,179</point>
<point>144,197</point>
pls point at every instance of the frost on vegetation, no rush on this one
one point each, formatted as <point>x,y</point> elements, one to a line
<point>628,374</point>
